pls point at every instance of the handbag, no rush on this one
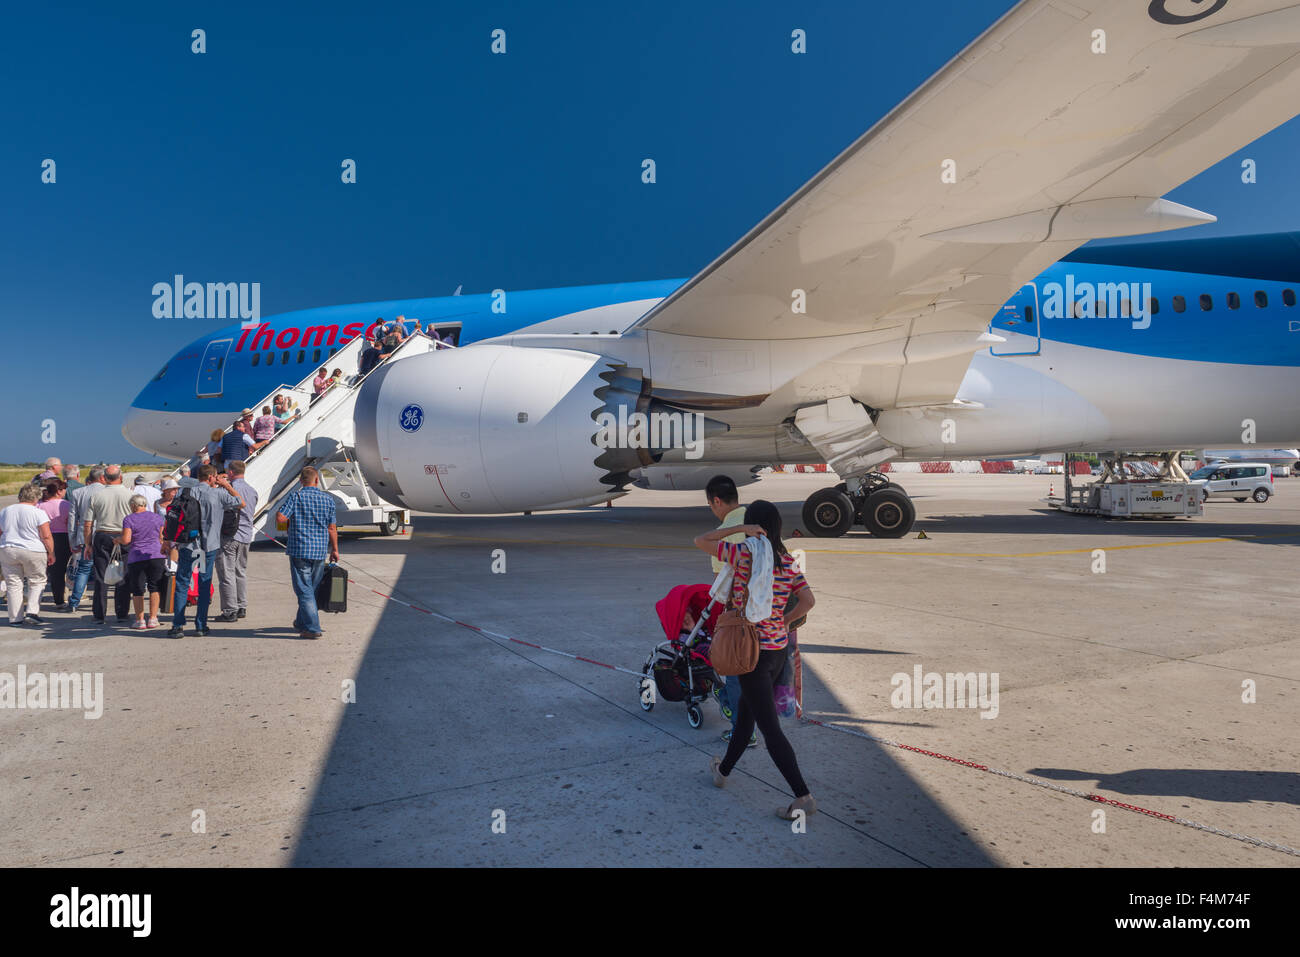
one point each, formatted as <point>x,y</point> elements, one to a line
<point>115,573</point>
<point>734,650</point>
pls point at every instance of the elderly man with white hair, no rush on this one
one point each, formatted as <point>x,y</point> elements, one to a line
<point>53,468</point>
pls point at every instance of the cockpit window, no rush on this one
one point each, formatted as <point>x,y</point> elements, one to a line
<point>161,372</point>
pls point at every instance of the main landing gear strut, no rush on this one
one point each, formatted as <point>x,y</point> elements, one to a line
<point>870,500</point>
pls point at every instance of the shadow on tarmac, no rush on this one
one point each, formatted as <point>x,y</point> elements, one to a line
<point>450,729</point>
<point>1272,787</point>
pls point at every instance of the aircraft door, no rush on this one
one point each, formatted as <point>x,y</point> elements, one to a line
<point>448,331</point>
<point>212,369</point>
<point>1019,321</point>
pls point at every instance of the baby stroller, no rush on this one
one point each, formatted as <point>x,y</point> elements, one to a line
<point>679,669</point>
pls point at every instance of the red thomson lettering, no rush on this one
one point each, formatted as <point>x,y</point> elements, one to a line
<point>320,334</point>
<point>292,333</point>
<point>351,331</point>
<point>263,330</point>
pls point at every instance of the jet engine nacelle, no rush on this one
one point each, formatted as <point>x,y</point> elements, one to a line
<point>496,428</point>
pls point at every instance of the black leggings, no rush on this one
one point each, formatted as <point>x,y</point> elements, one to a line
<point>757,706</point>
<point>58,571</point>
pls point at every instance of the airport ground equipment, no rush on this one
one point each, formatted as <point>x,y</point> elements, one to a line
<point>321,435</point>
<point>1168,493</point>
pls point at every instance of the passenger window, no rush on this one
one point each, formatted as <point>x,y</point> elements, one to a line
<point>1180,304</point>
<point>1234,301</point>
<point>1261,299</point>
<point>257,358</point>
<point>1288,297</point>
<point>284,358</point>
<point>1029,313</point>
<point>302,355</point>
<point>315,356</point>
<point>221,362</point>
<point>270,358</point>
<point>333,349</point>
<point>1207,302</point>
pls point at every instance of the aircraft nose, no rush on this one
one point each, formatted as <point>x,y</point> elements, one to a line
<point>135,427</point>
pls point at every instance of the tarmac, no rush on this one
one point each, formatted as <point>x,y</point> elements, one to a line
<point>1168,681</point>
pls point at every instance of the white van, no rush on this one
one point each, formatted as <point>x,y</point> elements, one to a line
<point>1235,480</point>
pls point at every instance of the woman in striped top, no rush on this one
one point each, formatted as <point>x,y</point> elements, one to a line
<point>791,600</point>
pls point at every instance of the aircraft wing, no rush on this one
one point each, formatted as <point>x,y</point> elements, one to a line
<point>1029,143</point>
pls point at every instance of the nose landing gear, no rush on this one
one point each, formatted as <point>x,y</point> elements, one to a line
<point>883,508</point>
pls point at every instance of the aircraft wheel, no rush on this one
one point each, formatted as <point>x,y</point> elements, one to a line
<point>888,513</point>
<point>828,513</point>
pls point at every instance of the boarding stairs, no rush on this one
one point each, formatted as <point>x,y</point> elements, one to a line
<point>321,434</point>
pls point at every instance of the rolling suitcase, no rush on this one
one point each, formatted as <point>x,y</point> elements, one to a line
<point>332,592</point>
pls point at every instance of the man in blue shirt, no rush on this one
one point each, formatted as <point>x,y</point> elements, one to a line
<point>214,495</point>
<point>313,534</point>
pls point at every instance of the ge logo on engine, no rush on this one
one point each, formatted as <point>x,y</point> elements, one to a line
<point>1159,11</point>
<point>412,418</point>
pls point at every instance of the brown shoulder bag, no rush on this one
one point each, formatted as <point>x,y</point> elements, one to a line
<point>735,641</point>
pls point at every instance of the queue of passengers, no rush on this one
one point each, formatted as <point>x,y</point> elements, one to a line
<point>63,533</point>
<point>383,339</point>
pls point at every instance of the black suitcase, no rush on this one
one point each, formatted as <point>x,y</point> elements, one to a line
<point>332,592</point>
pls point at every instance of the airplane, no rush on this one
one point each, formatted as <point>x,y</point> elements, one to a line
<point>924,296</point>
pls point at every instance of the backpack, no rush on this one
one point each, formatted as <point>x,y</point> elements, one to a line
<point>230,521</point>
<point>184,518</point>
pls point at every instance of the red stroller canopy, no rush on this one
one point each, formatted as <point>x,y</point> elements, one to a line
<point>672,607</point>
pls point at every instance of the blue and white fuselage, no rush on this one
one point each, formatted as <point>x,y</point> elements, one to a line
<point>1212,361</point>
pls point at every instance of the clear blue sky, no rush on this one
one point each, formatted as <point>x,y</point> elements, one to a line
<point>516,171</point>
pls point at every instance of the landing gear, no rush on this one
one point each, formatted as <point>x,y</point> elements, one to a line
<point>829,513</point>
<point>889,513</point>
<point>875,502</point>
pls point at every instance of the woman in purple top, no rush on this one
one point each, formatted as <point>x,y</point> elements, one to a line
<point>142,530</point>
<point>56,505</point>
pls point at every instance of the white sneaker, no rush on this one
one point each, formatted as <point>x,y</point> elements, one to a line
<point>138,625</point>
